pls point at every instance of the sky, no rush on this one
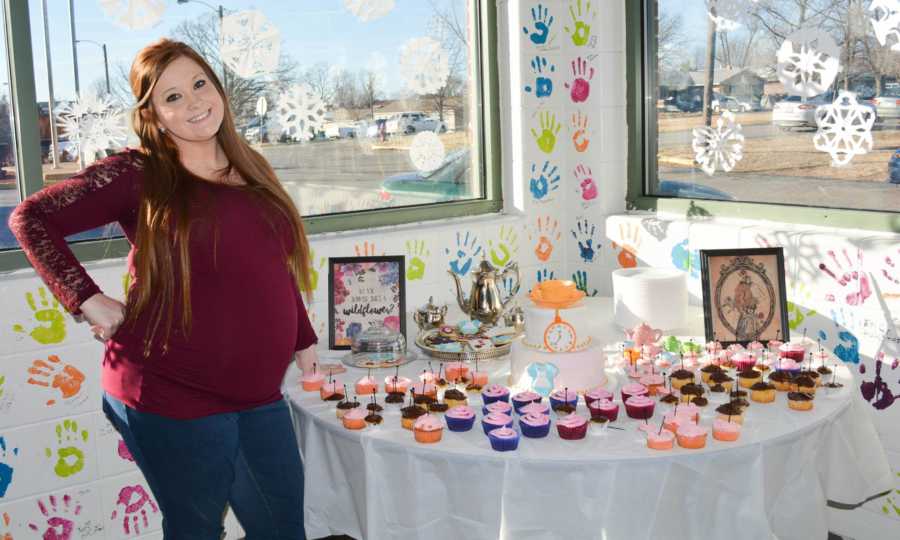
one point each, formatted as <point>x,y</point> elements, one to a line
<point>312,31</point>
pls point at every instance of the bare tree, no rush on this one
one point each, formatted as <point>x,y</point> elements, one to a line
<point>669,38</point>
<point>450,28</point>
<point>319,78</point>
<point>368,86</point>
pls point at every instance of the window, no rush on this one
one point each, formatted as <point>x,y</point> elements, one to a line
<point>370,111</point>
<point>780,102</point>
<point>9,173</point>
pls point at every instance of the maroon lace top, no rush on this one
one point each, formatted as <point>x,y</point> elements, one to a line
<point>248,317</point>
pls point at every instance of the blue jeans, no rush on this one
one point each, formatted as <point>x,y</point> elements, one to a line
<point>248,459</point>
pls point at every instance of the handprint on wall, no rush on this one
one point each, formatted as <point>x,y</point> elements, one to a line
<point>467,248</point>
<point>851,281</point>
<point>541,20</point>
<point>580,87</point>
<point>588,242</point>
<point>543,183</point>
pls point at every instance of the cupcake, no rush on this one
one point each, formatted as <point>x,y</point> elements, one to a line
<point>823,370</point>
<point>501,407</point>
<point>669,398</point>
<point>495,420</point>
<point>428,376</point>
<point>355,418</point>
<point>707,370</point>
<point>681,377</point>
<point>672,420</point>
<point>504,439</point>
<point>660,440</point>
<point>604,408</point>
<point>423,401</point>
<point>312,381</point>
<point>455,398</point>
<point>427,429</point>
<point>756,348</point>
<point>572,427</point>
<point>332,391</point>
<point>639,407</point>
<point>598,394</point>
<point>494,392</point>
<point>795,351</point>
<point>423,388</point>
<point>480,378</point>
<point>534,426</point>
<point>456,370</point>
<point>743,360</point>
<point>730,413</point>
<point>344,407</point>
<point>726,431</point>
<point>653,382</point>
<point>781,380</point>
<point>374,407</point>
<point>691,411</point>
<point>691,436</point>
<point>394,383</point>
<point>473,388</point>
<point>373,418</point>
<point>804,384</point>
<point>814,375</point>
<point>563,396</point>
<point>720,378</point>
<point>408,415</point>
<point>774,344</point>
<point>460,418</point>
<point>690,391</point>
<point>800,401</point>
<point>633,389</point>
<point>535,408</point>
<point>395,398</point>
<point>748,378</point>
<point>700,401</point>
<point>762,392</point>
<point>524,398</point>
<point>436,407</point>
<point>366,386</point>
<point>789,366</point>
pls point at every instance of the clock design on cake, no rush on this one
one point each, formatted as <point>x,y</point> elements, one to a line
<point>559,336</point>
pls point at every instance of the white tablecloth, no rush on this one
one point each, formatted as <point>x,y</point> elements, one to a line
<point>773,482</point>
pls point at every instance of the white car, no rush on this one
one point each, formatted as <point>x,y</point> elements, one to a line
<point>793,112</point>
<point>414,122</point>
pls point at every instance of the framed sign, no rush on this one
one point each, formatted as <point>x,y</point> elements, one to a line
<point>363,291</point>
<point>744,297</point>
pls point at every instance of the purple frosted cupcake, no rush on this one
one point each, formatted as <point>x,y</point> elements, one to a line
<point>535,408</point>
<point>604,408</point>
<point>639,407</point>
<point>563,396</point>
<point>497,407</point>
<point>494,392</point>
<point>633,389</point>
<point>460,418</point>
<point>597,394</point>
<point>572,427</point>
<point>534,426</point>
<point>496,420</point>
<point>504,439</point>
<point>524,398</point>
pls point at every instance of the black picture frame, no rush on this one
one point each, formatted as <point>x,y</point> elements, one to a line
<point>746,272</point>
<point>395,289</point>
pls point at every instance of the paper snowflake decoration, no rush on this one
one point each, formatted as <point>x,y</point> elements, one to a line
<point>885,18</point>
<point>845,128</point>
<point>369,10</point>
<point>424,66</point>
<point>134,14</point>
<point>719,147</point>
<point>726,14</point>
<point>300,112</point>
<point>92,124</point>
<point>427,151</point>
<point>808,62</point>
<point>249,44</point>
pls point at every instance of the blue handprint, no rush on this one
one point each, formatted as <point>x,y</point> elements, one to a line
<point>686,259</point>
<point>542,20</point>
<point>543,86</point>
<point>6,472</point>
<point>585,238</point>
<point>466,250</point>
<point>546,181</point>
<point>848,349</point>
<point>544,275</point>
<point>580,279</point>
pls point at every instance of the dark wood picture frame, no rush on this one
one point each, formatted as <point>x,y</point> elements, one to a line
<point>760,309</point>
<point>399,293</point>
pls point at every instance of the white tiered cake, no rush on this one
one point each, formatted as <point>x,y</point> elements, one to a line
<point>558,351</point>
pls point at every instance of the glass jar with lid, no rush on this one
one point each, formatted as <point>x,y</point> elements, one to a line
<point>378,346</point>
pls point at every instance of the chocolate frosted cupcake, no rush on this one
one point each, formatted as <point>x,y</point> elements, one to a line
<point>707,370</point>
<point>749,377</point>
<point>762,392</point>
<point>781,380</point>
<point>800,401</point>
<point>812,374</point>
<point>689,391</point>
<point>423,400</point>
<point>669,399</point>
<point>474,388</point>
<point>823,370</point>
<point>435,407</point>
<point>717,389</point>
<point>804,384</point>
<point>408,415</point>
<point>721,378</point>
<point>374,407</point>
<point>731,411</point>
<point>345,406</point>
<point>454,397</point>
<point>395,397</point>
<point>374,418</point>
<point>681,377</point>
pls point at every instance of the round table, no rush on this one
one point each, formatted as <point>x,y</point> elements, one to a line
<point>774,482</point>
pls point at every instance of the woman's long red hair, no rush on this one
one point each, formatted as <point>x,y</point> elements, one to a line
<point>164,210</point>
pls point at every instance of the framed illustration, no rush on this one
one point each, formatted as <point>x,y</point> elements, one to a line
<point>744,297</point>
<point>363,291</point>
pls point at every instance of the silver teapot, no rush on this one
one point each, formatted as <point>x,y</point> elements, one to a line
<point>484,302</point>
<point>430,316</point>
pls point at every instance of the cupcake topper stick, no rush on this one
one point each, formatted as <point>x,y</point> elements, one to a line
<point>676,410</point>
<point>440,369</point>
<point>661,424</point>
<point>670,382</point>
<point>804,335</point>
<point>330,375</point>
<point>833,373</point>
<point>778,334</point>
<point>396,372</point>
<point>314,368</point>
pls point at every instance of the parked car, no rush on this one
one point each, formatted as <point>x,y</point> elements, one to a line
<point>793,112</point>
<point>732,104</point>
<point>448,182</point>
<point>676,188</point>
<point>887,104</point>
<point>413,122</point>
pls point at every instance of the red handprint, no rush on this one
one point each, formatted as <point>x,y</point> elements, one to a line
<point>59,526</point>
<point>131,520</point>
<point>848,275</point>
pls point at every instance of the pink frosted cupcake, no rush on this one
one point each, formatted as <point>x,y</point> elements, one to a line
<point>794,351</point>
<point>456,370</point>
<point>743,360</point>
<point>333,391</point>
<point>312,381</point>
<point>534,426</point>
<point>639,407</point>
<point>355,418</point>
<point>495,420</point>
<point>423,388</point>
<point>661,440</point>
<point>501,407</point>
<point>524,398</point>
<point>691,436</point>
<point>366,386</point>
<point>393,383</point>
<point>598,394</point>
<point>691,411</point>
<point>460,418</point>
<point>604,408</point>
<point>572,427</point>
<point>494,392</point>
<point>653,382</point>
<point>480,378</point>
<point>535,408</point>
<point>633,389</point>
<point>724,430</point>
<point>428,376</point>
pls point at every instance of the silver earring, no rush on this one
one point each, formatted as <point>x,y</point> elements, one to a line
<point>162,130</point>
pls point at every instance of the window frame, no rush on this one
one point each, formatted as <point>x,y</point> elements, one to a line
<point>640,41</point>
<point>487,138</point>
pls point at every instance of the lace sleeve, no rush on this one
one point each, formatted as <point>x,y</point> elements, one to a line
<point>103,193</point>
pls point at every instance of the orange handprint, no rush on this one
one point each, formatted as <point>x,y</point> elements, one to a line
<point>366,249</point>
<point>52,373</point>
<point>630,235</point>
<point>547,233</point>
<point>580,137</point>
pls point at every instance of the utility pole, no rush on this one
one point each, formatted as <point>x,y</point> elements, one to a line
<point>74,48</point>
<point>710,66</point>
<point>54,141</point>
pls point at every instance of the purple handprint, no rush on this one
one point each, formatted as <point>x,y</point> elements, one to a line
<point>877,388</point>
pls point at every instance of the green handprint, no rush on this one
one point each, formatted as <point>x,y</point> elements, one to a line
<point>797,313</point>
<point>580,279</point>
<point>49,313</point>
<point>416,250</point>
<point>67,433</point>
<point>549,128</point>
<point>582,31</point>
<point>2,381</point>
<point>506,247</point>
<point>313,271</point>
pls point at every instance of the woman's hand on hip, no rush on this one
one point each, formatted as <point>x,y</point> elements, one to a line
<point>306,358</point>
<point>104,314</point>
